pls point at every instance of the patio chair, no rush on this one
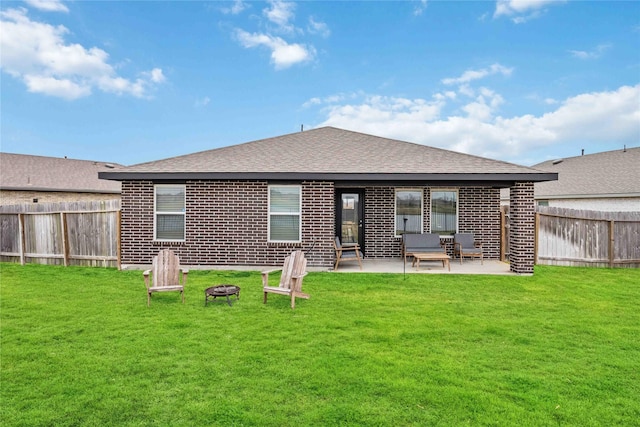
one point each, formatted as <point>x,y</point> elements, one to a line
<point>464,244</point>
<point>293,271</point>
<point>349,252</point>
<point>165,275</point>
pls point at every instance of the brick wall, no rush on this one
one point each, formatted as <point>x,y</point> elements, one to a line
<point>379,223</point>
<point>522,232</point>
<point>479,213</point>
<point>226,224</point>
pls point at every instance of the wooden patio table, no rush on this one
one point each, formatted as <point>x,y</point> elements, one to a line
<point>417,257</point>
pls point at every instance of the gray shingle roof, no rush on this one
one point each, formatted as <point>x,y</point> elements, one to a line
<point>324,152</point>
<point>38,173</point>
<point>604,174</point>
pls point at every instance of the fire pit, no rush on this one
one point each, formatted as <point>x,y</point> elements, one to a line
<point>221,291</point>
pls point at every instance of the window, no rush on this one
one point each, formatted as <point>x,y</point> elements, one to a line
<point>284,213</point>
<point>170,212</point>
<point>444,212</point>
<point>409,208</point>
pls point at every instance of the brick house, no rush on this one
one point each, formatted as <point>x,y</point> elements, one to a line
<point>608,181</point>
<point>252,203</point>
<point>27,179</point>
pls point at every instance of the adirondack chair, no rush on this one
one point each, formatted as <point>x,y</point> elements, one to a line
<point>293,271</point>
<point>165,275</point>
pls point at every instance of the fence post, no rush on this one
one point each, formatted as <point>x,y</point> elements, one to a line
<point>65,239</point>
<point>118,239</point>
<point>503,233</point>
<point>22,239</point>
<point>535,239</point>
<point>612,239</point>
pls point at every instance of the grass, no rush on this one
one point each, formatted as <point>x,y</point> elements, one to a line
<point>80,347</point>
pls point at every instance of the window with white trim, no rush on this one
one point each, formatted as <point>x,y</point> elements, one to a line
<point>285,213</point>
<point>408,212</point>
<point>170,212</point>
<point>444,211</point>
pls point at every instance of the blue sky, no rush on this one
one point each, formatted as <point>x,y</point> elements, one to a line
<point>129,82</point>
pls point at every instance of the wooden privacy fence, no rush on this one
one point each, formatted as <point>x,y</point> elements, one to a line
<point>587,238</point>
<point>90,238</point>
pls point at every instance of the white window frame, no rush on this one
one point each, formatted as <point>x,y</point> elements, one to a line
<point>156,213</point>
<point>395,206</point>
<point>270,214</point>
<point>442,190</point>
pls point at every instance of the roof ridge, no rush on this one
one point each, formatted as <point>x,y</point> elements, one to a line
<point>600,153</point>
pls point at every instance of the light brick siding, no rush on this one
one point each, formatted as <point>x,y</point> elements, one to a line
<point>521,234</point>
<point>227,223</point>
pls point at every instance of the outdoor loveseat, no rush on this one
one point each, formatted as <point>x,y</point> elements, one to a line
<point>421,243</point>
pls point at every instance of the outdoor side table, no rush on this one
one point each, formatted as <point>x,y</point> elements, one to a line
<point>226,291</point>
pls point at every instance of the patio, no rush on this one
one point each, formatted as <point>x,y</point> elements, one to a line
<point>492,267</point>
<point>369,265</point>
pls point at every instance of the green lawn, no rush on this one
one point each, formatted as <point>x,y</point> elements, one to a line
<point>80,347</point>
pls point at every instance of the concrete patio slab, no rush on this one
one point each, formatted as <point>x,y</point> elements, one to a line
<point>491,267</point>
<point>396,266</point>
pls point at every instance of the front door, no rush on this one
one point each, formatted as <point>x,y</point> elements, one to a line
<point>350,216</point>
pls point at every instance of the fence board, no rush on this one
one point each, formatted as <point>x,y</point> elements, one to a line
<point>50,236</point>
<point>588,238</point>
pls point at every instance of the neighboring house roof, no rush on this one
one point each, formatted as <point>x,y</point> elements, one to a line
<point>38,173</point>
<point>608,174</point>
<point>332,154</point>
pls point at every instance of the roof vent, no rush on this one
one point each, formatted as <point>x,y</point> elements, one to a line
<point>555,162</point>
<point>109,165</point>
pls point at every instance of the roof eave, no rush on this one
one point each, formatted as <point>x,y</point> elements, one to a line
<point>326,176</point>
<point>588,196</point>
<point>61,190</point>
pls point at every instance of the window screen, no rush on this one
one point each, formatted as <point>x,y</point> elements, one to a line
<point>170,212</point>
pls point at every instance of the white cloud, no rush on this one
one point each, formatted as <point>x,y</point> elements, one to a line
<point>593,54</point>
<point>156,75</point>
<point>283,54</point>
<point>380,115</point>
<point>471,75</point>
<point>521,11</point>
<point>417,11</point>
<point>203,102</point>
<point>48,5</point>
<point>61,88</point>
<point>316,27</point>
<point>37,53</point>
<point>601,117</point>
<point>236,8</point>
<point>280,12</point>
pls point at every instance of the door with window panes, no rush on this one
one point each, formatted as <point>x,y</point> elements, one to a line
<point>350,217</point>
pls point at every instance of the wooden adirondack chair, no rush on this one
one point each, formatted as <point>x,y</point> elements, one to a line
<point>293,271</point>
<point>165,275</point>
